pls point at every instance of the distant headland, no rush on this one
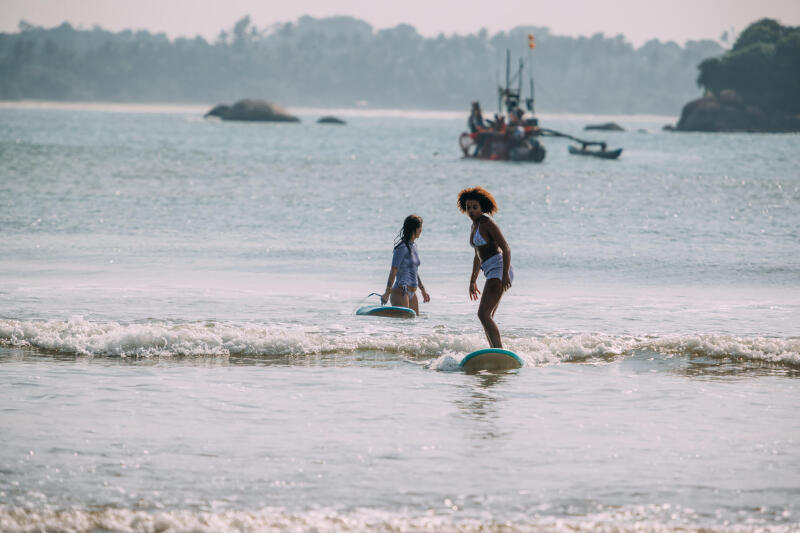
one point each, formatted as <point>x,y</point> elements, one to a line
<point>753,87</point>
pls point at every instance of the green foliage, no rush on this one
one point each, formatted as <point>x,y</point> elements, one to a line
<point>339,61</point>
<point>763,67</point>
<point>767,31</point>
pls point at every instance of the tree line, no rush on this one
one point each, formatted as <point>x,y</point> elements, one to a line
<point>341,61</point>
<point>763,67</point>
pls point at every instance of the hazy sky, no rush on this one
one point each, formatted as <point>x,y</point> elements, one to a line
<point>638,20</point>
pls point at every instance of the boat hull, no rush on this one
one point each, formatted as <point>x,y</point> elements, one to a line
<point>603,154</point>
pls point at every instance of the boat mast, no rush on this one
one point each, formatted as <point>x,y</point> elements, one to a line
<point>508,97</point>
<point>531,46</point>
<point>508,69</point>
<point>499,93</point>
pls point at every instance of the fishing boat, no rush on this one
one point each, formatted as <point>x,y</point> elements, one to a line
<point>510,136</point>
<point>515,135</point>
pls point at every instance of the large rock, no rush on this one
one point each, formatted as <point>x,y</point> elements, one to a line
<point>252,110</point>
<point>727,112</point>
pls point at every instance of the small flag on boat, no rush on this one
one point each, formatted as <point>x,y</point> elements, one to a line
<point>531,41</point>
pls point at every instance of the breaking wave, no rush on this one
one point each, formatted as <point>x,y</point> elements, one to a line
<point>437,349</point>
<point>640,518</point>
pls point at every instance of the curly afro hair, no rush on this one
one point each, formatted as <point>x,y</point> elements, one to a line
<point>484,197</point>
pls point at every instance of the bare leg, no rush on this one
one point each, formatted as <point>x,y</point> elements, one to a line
<point>413,303</point>
<point>496,305</point>
<point>492,292</point>
<point>397,298</point>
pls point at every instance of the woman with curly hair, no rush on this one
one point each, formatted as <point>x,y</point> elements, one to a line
<point>403,278</point>
<point>492,256</point>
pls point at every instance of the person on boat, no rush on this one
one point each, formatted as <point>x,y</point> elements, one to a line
<point>475,122</point>
<point>401,287</point>
<point>515,137</point>
<point>495,146</point>
<point>492,256</point>
<point>520,142</point>
<point>499,123</point>
<point>477,127</point>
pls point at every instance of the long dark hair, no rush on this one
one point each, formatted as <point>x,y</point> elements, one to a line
<point>410,225</point>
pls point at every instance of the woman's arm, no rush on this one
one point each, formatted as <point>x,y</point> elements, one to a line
<point>497,236</point>
<point>474,292</point>
<point>425,296</point>
<point>399,255</point>
<point>389,283</point>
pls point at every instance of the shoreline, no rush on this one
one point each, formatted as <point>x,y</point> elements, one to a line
<point>117,107</point>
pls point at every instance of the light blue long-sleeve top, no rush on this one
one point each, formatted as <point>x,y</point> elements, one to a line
<point>406,259</point>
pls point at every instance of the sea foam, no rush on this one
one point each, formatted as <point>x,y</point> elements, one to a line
<point>638,518</point>
<point>438,350</point>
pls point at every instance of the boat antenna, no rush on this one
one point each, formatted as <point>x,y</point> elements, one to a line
<point>508,68</point>
<point>531,46</point>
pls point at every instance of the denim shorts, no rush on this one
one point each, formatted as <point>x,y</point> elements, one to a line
<point>493,268</point>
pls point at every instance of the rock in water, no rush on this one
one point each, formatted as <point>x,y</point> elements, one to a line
<point>608,126</point>
<point>252,110</point>
<point>330,120</point>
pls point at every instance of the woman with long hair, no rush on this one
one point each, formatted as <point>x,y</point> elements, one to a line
<point>492,256</point>
<point>401,287</point>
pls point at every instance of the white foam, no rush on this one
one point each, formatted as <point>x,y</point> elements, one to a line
<point>765,349</point>
<point>640,518</point>
<point>570,347</point>
<point>167,339</point>
<point>446,363</point>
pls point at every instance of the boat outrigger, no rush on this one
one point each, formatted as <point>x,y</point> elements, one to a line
<point>602,152</point>
<point>513,136</point>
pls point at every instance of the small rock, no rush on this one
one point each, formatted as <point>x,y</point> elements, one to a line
<point>330,120</point>
<point>608,126</point>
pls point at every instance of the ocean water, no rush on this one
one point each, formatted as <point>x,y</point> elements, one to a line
<point>179,350</point>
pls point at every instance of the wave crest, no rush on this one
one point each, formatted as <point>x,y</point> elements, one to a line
<point>176,339</point>
<point>640,518</point>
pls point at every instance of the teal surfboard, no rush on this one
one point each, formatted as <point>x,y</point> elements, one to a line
<point>490,359</point>
<point>386,310</point>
